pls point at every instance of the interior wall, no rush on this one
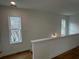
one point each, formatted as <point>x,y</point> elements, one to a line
<point>0,32</point>
<point>0,35</point>
<point>35,25</point>
<point>74,24</point>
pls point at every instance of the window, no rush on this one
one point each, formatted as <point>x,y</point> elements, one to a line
<point>63,27</point>
<point>73,28</point>
<point>15,29</point>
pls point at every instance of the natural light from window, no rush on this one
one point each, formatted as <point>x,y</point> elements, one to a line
<point>63,27</point>
<point>15,29</point>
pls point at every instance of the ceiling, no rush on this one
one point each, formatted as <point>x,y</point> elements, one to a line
<point>65,7</point>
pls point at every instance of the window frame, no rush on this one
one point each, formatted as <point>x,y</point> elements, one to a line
<point>14,29</point>
<point>64,25</point>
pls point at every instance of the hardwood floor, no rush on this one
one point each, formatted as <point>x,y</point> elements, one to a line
<point>22,55</point>
<point>72,54</point>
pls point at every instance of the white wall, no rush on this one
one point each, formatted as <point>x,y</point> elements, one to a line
<point>74,24</point>
<point>0,33</point>
<point>0,36</point>
<point>50,48</point>
<point>35,25</point>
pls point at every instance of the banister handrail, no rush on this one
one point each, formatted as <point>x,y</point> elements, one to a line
<point>51,38</point>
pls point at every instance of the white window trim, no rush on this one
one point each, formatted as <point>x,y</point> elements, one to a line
<point>15,29</point>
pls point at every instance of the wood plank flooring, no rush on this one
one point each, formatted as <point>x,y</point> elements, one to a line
<point>72,54</point>
<point>22,55</point>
